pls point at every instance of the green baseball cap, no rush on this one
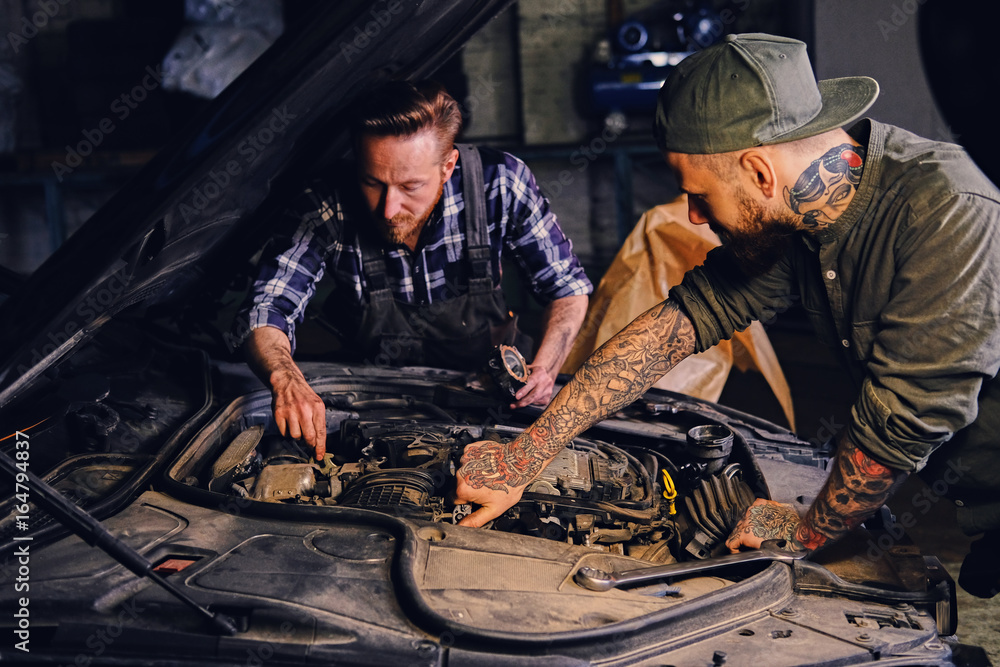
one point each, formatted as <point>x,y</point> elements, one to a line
<point>751,90</point>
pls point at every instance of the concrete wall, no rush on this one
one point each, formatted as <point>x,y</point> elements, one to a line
<point>489,61</point>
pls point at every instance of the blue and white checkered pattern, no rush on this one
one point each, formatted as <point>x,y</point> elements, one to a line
<point>325,240</point>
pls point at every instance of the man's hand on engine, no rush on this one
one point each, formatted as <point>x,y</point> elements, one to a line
<point>856,487</point>
<point>765,520</point>
<point>483,480</point>
<point>299,413</point>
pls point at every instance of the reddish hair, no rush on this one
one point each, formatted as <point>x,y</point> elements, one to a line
<point>403,109</point>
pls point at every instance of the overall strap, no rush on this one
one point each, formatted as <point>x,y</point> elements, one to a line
<point>476,232</point>
<point>374,268</point>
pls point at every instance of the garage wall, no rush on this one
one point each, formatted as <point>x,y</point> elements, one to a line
<point>525,76</point>
<point>490,64</point>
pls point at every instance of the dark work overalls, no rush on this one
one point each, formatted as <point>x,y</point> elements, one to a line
<point>459,332</point>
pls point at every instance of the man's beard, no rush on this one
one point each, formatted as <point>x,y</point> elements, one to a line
<point>405,225</point>
<point>761,241</point>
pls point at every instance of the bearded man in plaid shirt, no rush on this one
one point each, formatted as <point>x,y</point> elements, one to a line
<point>413,236</point>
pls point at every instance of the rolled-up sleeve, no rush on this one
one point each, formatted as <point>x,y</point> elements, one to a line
<point>720,300</point>
<point>537,241</point>
<point>938,337</point>
<point>290,269</point>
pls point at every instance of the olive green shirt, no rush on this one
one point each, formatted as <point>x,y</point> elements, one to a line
<point>905,285</point>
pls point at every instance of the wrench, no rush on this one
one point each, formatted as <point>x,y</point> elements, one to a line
<point>600,580</point>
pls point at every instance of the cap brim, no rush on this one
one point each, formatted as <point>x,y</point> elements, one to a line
<point>845,100</point>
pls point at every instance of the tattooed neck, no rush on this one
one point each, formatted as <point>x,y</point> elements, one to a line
<point>826,187</point>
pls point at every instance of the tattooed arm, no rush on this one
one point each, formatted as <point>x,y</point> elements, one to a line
<point>857,486</point>
<point>493,475</point>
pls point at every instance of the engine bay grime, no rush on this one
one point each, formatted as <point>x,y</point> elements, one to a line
<point>663,505</point>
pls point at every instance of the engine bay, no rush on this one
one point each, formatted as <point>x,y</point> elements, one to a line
<point>672,502</point>
<point>255,520</point>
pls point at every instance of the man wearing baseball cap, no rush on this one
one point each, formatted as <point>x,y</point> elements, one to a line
<point>890,241</point>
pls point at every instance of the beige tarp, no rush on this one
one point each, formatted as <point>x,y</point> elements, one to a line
<point>655,256</point>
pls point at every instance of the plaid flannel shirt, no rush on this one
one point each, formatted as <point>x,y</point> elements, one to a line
<point>325,241</point>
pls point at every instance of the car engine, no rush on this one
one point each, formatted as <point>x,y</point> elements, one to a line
<point>639,503</point>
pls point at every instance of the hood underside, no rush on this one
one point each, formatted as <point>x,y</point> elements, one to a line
<point>279,120</point>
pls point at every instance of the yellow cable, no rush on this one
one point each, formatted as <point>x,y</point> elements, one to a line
<point>669,491</point>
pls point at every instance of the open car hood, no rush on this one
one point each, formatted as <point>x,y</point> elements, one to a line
<point>176,215</point>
